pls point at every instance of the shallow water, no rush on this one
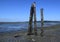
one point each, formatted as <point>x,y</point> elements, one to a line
<point>14,27</point>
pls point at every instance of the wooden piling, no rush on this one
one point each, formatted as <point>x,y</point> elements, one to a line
<point>32,13</point>
<point>30,22</point>
<point>42,22</point>
<point>35,26</point>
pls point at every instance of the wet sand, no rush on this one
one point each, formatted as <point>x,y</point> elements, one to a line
<point>51,34</point>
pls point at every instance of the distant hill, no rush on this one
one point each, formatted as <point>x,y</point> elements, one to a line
<point>49,21</point>
<point>26,22</point>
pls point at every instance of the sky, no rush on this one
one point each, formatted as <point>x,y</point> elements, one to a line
<point>19,10</point>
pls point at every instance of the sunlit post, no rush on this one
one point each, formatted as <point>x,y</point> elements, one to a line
<point>35,27</point>
<point>30,21</point>
<point>32,12</point>
<point>42,22</point>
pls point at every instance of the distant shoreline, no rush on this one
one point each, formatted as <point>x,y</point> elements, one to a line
<point>26,22</point>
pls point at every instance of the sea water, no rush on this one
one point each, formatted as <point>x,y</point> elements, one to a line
<point>20,26</point>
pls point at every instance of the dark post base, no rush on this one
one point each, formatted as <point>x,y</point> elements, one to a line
<point>36,33</point>
<point>41,34</point>
<point>30,34</point>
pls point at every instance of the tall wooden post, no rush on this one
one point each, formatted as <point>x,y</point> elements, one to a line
<point>30,23</point>
<point>42,22</point>
<point>32,12</point>
<point>35,27</point>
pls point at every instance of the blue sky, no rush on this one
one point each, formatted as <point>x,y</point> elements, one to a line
<point>19,10</point>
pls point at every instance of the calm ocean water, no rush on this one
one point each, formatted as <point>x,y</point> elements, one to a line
<point>20,26</point>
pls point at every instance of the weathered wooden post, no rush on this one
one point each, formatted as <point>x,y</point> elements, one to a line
<point>42,22</point>
<point>32,12</point>
<point>35,27</point>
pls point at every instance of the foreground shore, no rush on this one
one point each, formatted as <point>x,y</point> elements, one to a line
<point>51,34</point>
